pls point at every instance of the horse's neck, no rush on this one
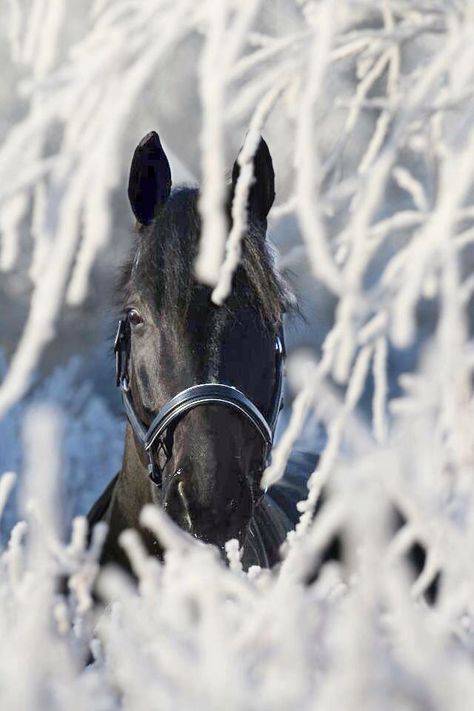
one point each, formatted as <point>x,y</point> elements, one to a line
<point>132,491</point>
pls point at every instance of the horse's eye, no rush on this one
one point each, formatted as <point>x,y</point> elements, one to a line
<point>134,317</point>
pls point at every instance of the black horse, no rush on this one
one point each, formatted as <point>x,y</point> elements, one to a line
<point>201,384</point>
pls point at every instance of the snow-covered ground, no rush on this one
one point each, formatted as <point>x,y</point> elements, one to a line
<point>368,111</point>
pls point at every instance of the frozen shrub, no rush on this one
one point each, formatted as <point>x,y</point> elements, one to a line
<point>369,106</point>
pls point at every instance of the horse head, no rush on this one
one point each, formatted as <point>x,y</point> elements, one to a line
<point>207,463</point>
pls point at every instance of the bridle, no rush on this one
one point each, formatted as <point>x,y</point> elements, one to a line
<point>159,434</point>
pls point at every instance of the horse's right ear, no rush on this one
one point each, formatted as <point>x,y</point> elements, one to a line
<point>149,184</point>
<point>262,190</point>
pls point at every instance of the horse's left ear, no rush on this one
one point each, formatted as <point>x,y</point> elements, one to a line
<point>149,184</point>
<point>262,191</point>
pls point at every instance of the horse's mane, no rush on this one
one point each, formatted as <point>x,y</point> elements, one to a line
<point>163,257</point>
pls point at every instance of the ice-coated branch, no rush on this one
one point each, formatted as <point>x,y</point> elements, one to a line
<point>213,193</point>
<point>306,155</point>
<point>242,189</point>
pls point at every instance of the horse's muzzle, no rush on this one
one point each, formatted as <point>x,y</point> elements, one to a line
<point>214,522</point>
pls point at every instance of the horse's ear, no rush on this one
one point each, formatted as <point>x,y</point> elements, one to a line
<point>262,191</point>
<point>149,184</point>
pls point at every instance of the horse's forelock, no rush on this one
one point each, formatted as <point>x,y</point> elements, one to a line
<point>162,260</point>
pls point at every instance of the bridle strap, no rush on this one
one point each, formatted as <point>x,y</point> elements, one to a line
<point>207,394</point>
<point>186,400</point>
<point>277,400</point>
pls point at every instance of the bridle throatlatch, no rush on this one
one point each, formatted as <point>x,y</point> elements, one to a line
<point>159,434</point>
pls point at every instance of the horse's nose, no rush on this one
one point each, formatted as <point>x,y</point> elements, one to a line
<point>175,501</point>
